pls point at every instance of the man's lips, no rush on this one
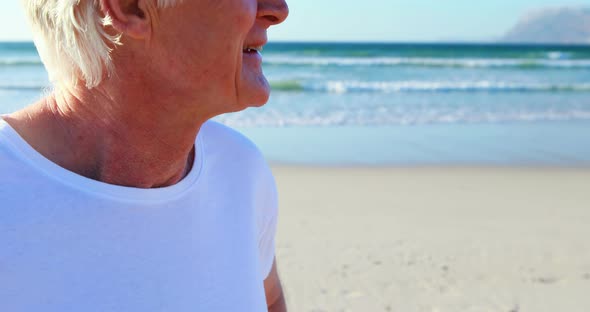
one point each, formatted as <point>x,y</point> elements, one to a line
<point>252,56</point>
<point>256,49</point>
<point>254,46</point>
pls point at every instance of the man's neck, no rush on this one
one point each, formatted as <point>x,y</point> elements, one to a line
<point>109,140</point>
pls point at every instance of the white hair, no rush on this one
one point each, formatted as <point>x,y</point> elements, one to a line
<point>72,41</point>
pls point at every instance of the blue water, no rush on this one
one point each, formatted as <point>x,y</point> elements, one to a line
<point>418,104</point>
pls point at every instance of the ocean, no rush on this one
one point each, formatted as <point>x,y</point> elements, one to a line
<point>398,104</point>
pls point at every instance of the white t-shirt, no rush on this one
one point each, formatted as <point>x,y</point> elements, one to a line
<point>68,243</point>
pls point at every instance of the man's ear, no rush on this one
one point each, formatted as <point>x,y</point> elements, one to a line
<point>131,18</point>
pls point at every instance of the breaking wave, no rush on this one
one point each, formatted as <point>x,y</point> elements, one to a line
<point>554,61</point>
<point>423,86</point>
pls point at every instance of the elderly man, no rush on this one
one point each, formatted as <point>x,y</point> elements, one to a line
<point>116,191</point>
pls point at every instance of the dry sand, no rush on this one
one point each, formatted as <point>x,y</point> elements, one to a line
<point>434,239</point>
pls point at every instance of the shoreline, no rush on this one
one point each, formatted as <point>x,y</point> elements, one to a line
<point>417,167</point>
<point>465,145</point>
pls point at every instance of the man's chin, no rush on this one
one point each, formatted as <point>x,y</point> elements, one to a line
<point>257,96</point>
<point>258,102</point>
<point>261,100</point>
<point>252,100</point>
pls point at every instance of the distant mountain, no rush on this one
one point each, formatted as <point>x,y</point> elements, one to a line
<point>555,25</point>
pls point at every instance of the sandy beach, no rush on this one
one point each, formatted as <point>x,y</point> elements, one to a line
<point>434,239</point>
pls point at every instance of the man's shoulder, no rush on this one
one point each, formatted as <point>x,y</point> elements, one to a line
<point>219,138</point>
<point>233,152</point>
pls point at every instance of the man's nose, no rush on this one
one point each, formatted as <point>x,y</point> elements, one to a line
<point>273,12</point>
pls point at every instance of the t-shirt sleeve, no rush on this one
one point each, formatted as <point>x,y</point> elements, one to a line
<point>267,226</point>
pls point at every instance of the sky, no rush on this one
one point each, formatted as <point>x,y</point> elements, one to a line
<point>369,20</point>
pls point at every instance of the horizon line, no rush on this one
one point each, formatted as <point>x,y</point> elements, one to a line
<point>401,42</point>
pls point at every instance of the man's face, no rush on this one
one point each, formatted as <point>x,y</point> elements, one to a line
<point>211,46</point>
